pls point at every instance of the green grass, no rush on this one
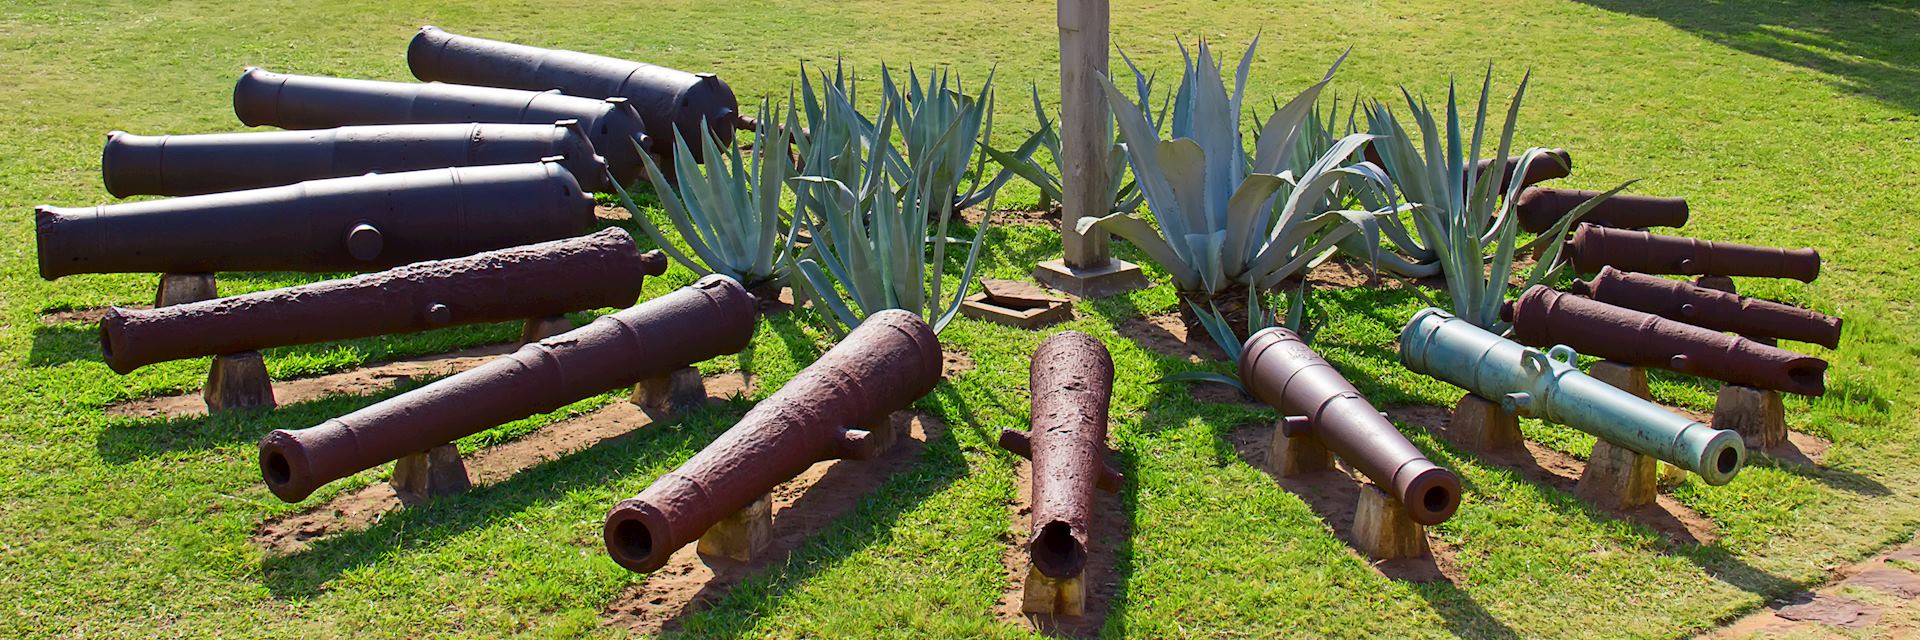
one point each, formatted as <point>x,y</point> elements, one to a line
<point>1790,123</point>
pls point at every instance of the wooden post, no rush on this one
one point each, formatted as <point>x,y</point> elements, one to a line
<point>429,474</point>
<point>182,288</point>
<point>238,381</point>
<point>1087,268</point>
<point>1632,379</point>
<point>1295,453</point>
<point>1617,477</point>
<point>1758,415</point>
<point>1383,530</point>
<point>539,329</point>
<point>680,391</point>
<point>1054,596</point>
<point>740,536</point>
<point>1716,283</point>
<point>1482,425</point>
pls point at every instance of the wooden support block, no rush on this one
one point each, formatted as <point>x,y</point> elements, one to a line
<point>1383,530</point>
<point>1054,596</point>
<point>680,391</point>
<point>238,381</point>
<point>740,536</point>
<point>1113,278</point>
<point>1758,415</point>
<point>1481,425</point>
<point>1296,454</point>
<point>1618,478</point>
<point>430,474</point>
<point>542,328</point>
<point>1623,376</point>
<point>182,288</point>
<point>1716,283</point>
<point>887,434</point>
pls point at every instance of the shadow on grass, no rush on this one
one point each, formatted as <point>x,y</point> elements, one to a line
<point>127,440</point>
<point>63,343</point>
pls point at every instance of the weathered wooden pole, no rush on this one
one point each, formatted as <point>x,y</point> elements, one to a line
<point>1087,269</point>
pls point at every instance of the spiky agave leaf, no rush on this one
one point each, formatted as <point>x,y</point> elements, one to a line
<point>728,214</point>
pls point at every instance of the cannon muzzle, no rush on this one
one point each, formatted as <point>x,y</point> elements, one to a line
<point>192,165</point>
<point>590,272</point>
<point>669,100</point>
<point>1594,247</point>
<point>262,97</point>
<point>362,223</point>
<point>889,361</point>
<point>1547,385</point>
<point>1540,207</point>
<point>1072,383</point>
<point>715,316</point>
<point>1280,370</point>
<point>1710,308</point>
<point>1543,317</point>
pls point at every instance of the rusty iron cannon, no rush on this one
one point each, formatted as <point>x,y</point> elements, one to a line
<point>1072,383</point>
<point>1595,246</point>
<point>1558,163</point>
<point>1279,369</point>
<point>287,101</point>
<point>1710,308</point>
<point>532,281</point>
<point>713,317</point>
<point>361,223</point>
<point>1544,317</point>
<point>668,99</point>
<point>826,412</point>
<point>1547,385</point>
<point>1541,207</point>
<point>190,165</point>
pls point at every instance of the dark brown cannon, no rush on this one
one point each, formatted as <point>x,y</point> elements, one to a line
<point>1595,246</point>
<point>1279,369</point>
<point>1543,317</point>
<point>1557,163</point>
<point>1540,207</point>
<point>882,366</point>
<point>1072,383</point>
<point>262,97</point>
<point>1710,308</point>
<point>668,99</point>
<point>192,165</point>
<point>533,281</point>
<point>713,317</point>
<point>362,223</point>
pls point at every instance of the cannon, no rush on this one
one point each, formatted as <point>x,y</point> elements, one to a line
<point>1594,246</point>
<point>533,281</point>
<point>1710,308</point>
<point>191,165</point>
<point>824,413</point>
<point>1072,383</point>
<point>1557,163</point>
<point>286,101</point>
<point>362,223</point>
<point>1548,386</point>
<point>1541,207</point>
<point>1279,369</point>
<point>667,99</point>
<point>1544,317</point>
<point>712,317</point>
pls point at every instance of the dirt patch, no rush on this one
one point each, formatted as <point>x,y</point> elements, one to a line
<point>1049,218</point>
<point>1343,274</point>
<point>954,362</point>
<point>1167,335</point>
<point>1108,530</point>
<point>802,507</point>
<point>89,315</point>
<point>356,382</point>
<point>604,212</point>
<point>1808,612</point>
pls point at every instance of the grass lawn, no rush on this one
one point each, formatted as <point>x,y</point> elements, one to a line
<point>1787,123</point>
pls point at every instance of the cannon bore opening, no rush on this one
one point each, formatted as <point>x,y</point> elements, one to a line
<point>1436,499</point>
<point>276,467</point>
<point>1809,375</point>
<point>1728,461</point>
<point>631,542</point>
<point>1056,553</point>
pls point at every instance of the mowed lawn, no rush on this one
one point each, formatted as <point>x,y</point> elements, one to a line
<point>1786,123</point>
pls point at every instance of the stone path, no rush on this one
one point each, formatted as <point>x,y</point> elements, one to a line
<point>1877,598</point>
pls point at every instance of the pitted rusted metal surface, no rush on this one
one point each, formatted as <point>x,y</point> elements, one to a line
<point>533,281</point>
<point>1594,247</point>
<point>1281,370</point>
<point>1543,317</point>
<point>134,165</point>
<point>1072,384</point>
<point>713,317</point>
<point>884,365</point>
<point>362,223</point>
<point>668,99</point>
<point>1540,207</point>
<point>1711,308</point>
<point>1555,164</point>
<point>313,102</point>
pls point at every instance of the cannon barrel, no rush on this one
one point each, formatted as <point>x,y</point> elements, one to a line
<point>882,366</point>
<point>287,101</point>
<point>1281,370</point>
<point>362,223</point>
<point>1544,317</point>
<point>1557,164</point>
<point>1595,246</point>
<point>1547,385</point>
<point>533,281</point>
<point>668,99</point>
<point>1710,308</point>
<point>191,165</point>
<point>1540,207</point>
<point>1072,383</point>
<point>715,316</point>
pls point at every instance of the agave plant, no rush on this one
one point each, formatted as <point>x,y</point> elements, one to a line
<point>1459,213</point>
<point>730,215</point>
<point>1122,196</point>
<point>942,127</point>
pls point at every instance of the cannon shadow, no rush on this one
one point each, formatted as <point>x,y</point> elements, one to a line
<point>126,440</point>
